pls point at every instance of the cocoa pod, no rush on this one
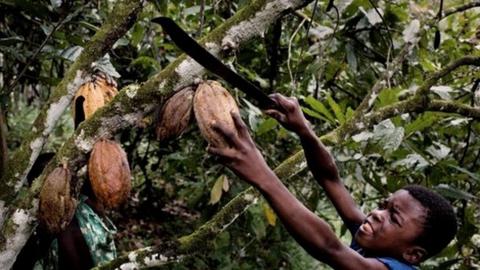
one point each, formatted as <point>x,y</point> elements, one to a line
<point>87,100</point>
<point>213,104</point>
<point>56,206</point>
<point>175,115</point>
<point>108,88</point>
<point>91,96</point>
<point>109,173</point>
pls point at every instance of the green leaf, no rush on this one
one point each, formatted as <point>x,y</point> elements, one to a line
<point>472,175</point>
<point>426,120</point>
<point>336,109</point>
<point>314,114</point>
<point>138,32</point>
<point>72,53</point>
<point>319,107</point>
<point>351,57</point>
<point>266,126</point>
<point>389,136</point>
<point>146,62</point>
<point>425,62</point>
<point>454,193</point>
<point>387,97</point>
<point>349,113</point>
<point>11,40</point>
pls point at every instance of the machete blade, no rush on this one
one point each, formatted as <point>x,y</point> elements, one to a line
<point>211,63</point>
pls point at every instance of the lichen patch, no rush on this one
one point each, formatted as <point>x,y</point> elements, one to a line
<point>257,25</point>
<point>129,266</point>
<point>131,91</point>
<point>83,144</point>
<point>189,69</point>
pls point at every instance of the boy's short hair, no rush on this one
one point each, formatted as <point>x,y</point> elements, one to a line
<point>440,224</point>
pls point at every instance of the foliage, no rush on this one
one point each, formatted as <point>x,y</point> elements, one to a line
<point>178,186</point>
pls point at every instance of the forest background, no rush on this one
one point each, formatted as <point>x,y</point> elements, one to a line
<point>392,87</point>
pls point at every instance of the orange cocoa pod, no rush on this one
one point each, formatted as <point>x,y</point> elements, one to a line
<point>56,206</point>
<point>87,100</point>
<point>213,104</point>
<point>91,96</point>
<point>109,173</point>
<point>108,89</point>
<point>175,115</point>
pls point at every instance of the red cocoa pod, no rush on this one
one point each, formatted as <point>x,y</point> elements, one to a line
<point>175,115</point>
<point>109,173</point>
<point>213,104</point>
<point>56,206</point>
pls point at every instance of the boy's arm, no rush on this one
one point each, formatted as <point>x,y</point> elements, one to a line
<point>319,160</point>
<point>311,232</point>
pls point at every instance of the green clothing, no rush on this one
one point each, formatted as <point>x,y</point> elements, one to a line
<point>97,232</point>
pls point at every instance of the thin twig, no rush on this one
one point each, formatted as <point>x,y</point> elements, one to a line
<point>3,143</point>
<point>202,17</point>
<point>469,134</point>
<point>290,54</point>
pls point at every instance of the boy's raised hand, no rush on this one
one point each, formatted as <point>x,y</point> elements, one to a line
<point>289,114</point>
<point>241,156</point>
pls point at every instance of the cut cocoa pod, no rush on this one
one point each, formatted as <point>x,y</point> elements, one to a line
<point>109,173</point>
<point>175,115</point>
<point>87,100</point>
<point>213,104</point>
<point>56,206</point>
<point>91,96</point>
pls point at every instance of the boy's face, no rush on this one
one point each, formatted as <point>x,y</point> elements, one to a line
<point>393,226</point>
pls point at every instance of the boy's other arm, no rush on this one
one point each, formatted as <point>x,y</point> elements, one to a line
<point>311,232</point>
<point>319,160</point>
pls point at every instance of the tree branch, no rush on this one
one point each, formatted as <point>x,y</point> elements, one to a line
<point>435,77</point>
<point>451,11</point>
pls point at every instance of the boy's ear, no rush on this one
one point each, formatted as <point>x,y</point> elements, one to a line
<point>414,255</point>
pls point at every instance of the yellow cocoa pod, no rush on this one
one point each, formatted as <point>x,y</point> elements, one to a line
<point>109,173</point>
<point>213,104</point>
<point>56,207</point>
<point>175,115</point>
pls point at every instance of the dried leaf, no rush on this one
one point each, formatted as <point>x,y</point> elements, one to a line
<point>216,192</point>
<point>269,214</point>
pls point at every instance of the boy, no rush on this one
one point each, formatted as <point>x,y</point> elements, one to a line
<point>410,226</point>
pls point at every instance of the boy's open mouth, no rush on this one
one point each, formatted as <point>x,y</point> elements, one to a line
<point>366,227</point>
